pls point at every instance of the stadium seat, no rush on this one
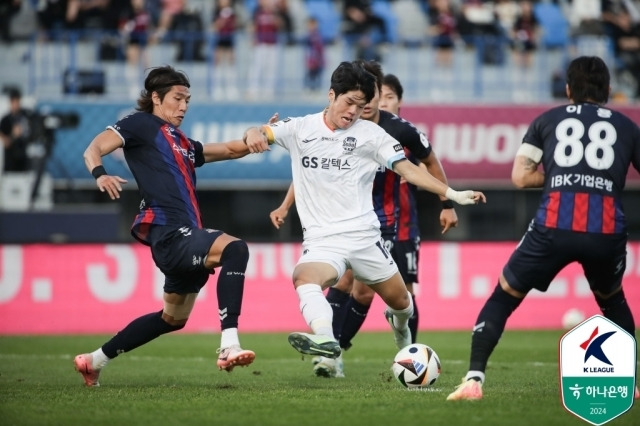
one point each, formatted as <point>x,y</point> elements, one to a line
<point>554,25</point>
<point>328,17</point>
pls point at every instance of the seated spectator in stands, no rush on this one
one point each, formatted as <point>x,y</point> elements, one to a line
<point>187,29</point>
<point>314,55</point>
<point>443,30</point>
<point>585,17</point>
<point>612,10</point>
<point>525,34</point>
<point>225,24</point>
<point>626,45</point>
<point>477,19</point>
<point>15,134</point>
<point>479,27</point>
<point>136,31</point>
<point>52,18</point>
<point>86,15</point>
<point>8,8</point>
<point>506,11</point>
<point>287,22</point>
<point>267,25</point>
<point>169,8</point>
<point>360,24</point>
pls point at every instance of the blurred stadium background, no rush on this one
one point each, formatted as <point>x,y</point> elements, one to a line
<point>474,107</point>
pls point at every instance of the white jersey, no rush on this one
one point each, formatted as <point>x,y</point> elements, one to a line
<point>333,171</point>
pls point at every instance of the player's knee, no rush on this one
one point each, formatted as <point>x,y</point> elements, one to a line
<point>504,298</point>
<point>610,300</point>
<point>168,324</point>
<point>236,252</point>
<point>364,297</point>
<point>175,325</point>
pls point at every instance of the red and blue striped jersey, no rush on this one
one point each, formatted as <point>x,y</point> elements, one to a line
<point>163,161</point>
<point>387,191</point>
<point>408,228</point>
<point>586,153</point>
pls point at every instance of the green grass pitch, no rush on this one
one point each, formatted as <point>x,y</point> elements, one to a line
<point>174,381</point>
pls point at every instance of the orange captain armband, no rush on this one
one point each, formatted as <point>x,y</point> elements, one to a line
<point>266,130</point>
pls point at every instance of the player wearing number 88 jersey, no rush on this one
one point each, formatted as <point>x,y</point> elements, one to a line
<point>585,150</point>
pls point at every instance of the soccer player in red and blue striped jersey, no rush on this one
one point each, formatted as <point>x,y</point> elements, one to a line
<point>585,150</point>
<point>163,160</point>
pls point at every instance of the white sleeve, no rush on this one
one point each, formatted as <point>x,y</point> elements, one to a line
<point>285,132</point>
<point>389,150</point>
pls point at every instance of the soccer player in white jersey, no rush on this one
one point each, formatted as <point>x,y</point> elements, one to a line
<point>334,158</point>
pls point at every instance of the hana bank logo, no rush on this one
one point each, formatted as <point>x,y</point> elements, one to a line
<point>593,349</point>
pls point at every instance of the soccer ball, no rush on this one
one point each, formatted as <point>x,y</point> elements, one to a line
<point>571,318</point>
<point>416,366</point>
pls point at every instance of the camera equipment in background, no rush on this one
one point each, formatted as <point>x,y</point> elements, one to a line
<point>44,126</point>
<point>76,81</point>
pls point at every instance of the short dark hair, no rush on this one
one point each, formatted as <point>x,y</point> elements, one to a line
<point>375,69</point>
<point>394,83</point>
<point>160,80</point>
<point>352,76</point>
<point>12,92</point>
<point>589,80</point>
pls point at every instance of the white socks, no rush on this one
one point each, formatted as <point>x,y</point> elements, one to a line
<point>472,373</point>
<point>99,359</point>
<point>315,309</point>
<point>401,317</point>
<point>229,337</point>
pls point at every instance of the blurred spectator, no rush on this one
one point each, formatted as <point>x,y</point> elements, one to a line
<point>479,27</point>
<point>86,14</point>
<point>287,22</point>
<point>15,133</point>
<point>8,8</point>
<point>112,42</point>
<point>267,23</point>
<point>525,34</point>
<point>314,55</point>
<point>169,8</point>
<point>507,11</point>
<point>443,30</point>
<point>136,30</point>
<point>612,10</point>
<point>52,18</point>
<point>225,24</point>
<point>476,19</point>
<point>626,47</point>
<point>187,29</point>
<point>360,24</point>
<point>585,17</point>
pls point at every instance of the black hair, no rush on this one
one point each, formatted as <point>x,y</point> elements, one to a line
<point>160,80</point>
<point>12,92</point>
<point>373,68</point>
<point>352,76</point>
<point>394,83</point>
<point>588,79</point>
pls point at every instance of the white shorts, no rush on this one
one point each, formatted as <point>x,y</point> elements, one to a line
<point>362,251</point>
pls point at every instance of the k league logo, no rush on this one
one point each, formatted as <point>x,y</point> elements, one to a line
<point>597,370</point>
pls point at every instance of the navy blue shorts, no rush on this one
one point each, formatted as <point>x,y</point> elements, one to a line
<point>180,255</point>
<point>543,252</point>
<point>406,255</point>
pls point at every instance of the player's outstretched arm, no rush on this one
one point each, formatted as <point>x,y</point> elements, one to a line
<point>103,144</point>
<point>232,149</point>
<point>278,215</point>
<point>424,180</point>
